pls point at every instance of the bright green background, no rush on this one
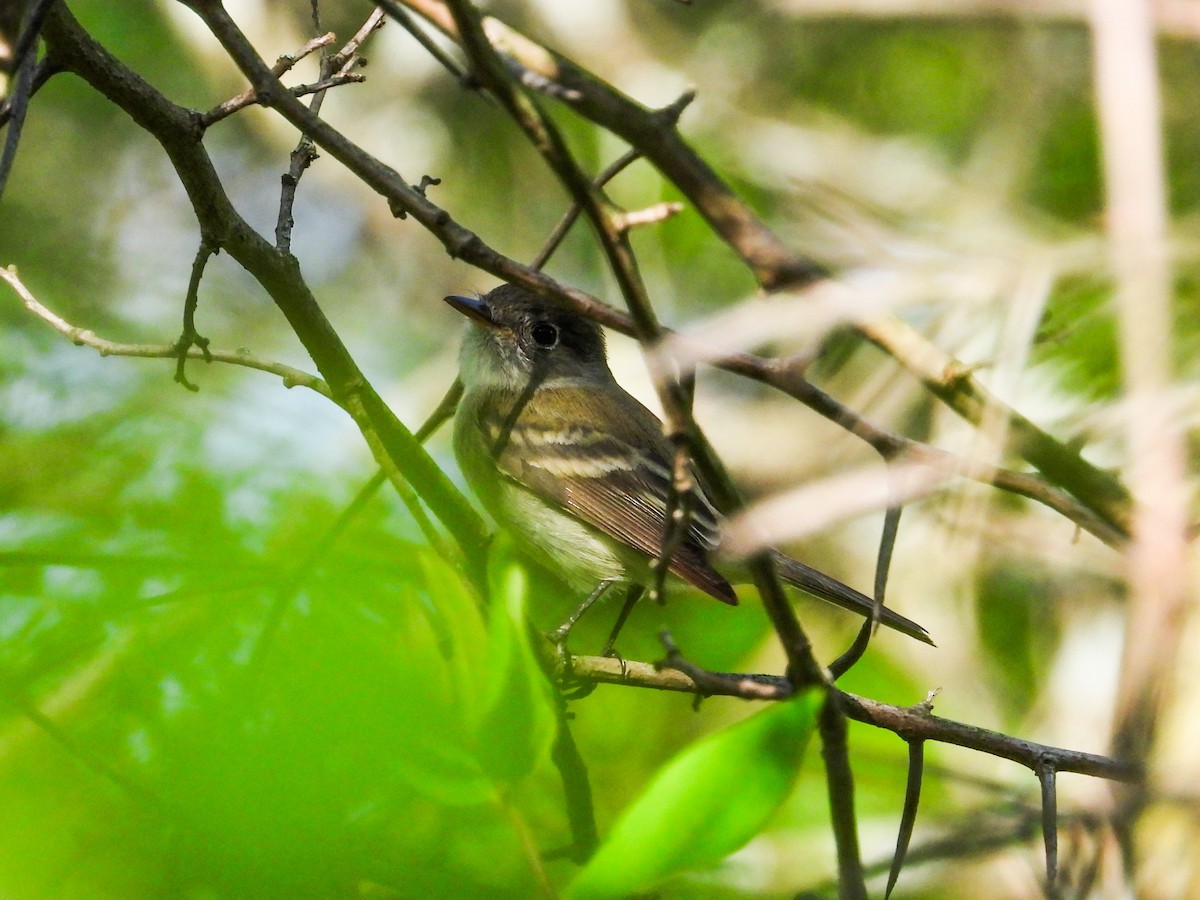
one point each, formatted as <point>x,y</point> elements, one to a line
<point>159,737</point>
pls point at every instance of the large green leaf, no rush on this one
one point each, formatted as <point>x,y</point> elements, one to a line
<point>439,646</point>
<point>517,725</point>
<point>704,804</point>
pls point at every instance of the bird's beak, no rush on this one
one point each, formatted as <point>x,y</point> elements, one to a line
<point>473,308</point>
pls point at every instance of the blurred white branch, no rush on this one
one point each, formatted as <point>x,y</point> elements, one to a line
<point>815,507</point>
<point>1180,18</point>
<point>1127,95</point>
<point>801,319</point>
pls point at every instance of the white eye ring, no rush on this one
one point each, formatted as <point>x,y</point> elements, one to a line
<point>545,335</point>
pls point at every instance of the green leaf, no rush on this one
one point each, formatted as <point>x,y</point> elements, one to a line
<point>435,646</point>
<point>1016,629</point>
<point>456,615</point>
<point>517,726</point>
<point>704,804</point>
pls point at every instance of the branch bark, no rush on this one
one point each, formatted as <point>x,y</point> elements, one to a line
<point>908,722</point>
<point>179,133</point>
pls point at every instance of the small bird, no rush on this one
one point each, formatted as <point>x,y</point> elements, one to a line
<point>577,469</point>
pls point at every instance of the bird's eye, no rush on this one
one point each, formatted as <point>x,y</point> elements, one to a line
<point>545,335</point>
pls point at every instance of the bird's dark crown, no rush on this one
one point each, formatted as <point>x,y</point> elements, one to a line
<point>521,312</point>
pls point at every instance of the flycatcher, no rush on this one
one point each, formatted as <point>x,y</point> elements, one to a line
<point>576,468</point>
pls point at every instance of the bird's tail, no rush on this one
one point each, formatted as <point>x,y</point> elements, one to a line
<point>829,589</point>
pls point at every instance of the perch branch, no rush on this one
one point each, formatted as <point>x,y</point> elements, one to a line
<point>908,722</point>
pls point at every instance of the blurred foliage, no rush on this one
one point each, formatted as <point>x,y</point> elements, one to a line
<point>194,702</point>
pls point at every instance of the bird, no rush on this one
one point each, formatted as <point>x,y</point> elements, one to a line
<point>579,471</point>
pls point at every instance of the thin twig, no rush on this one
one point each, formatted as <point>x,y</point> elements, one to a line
<point>650,215</point>
<point>282,66</point>
<point>24,82</point>
<point>908,816</point>
<point>977,833</point>
<point>563,226</point>
<point>84,337</point>
<point>42,74</point>
<point>577,790</point>
<point>190,337</point>
<point>333,66</point>
<point>839,782</point>
<point>887,543</point>
<point>1046,779</point>
<point>287,61</point>
<point>652,132</point>
<point>250,97</point>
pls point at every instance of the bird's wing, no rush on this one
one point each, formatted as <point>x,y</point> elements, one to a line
<point>615,478</point>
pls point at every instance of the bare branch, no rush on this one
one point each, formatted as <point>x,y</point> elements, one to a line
<point>24,83</point>
<point>908,817</point>
<point>887,543</point>
<point>84,337</point>
<point>334,66</point>
<point>651,215</point>
<point>190,337</point>
<point>250,97</point>
<point>577,789</point>
<point>341,61</point>
<point>1046,779</point>
<point>176,130</point>
<point>286,61</point>
<point>839,781</point>
<point>774,265</point>
<point>908,722</point>
<point>571,215</point>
